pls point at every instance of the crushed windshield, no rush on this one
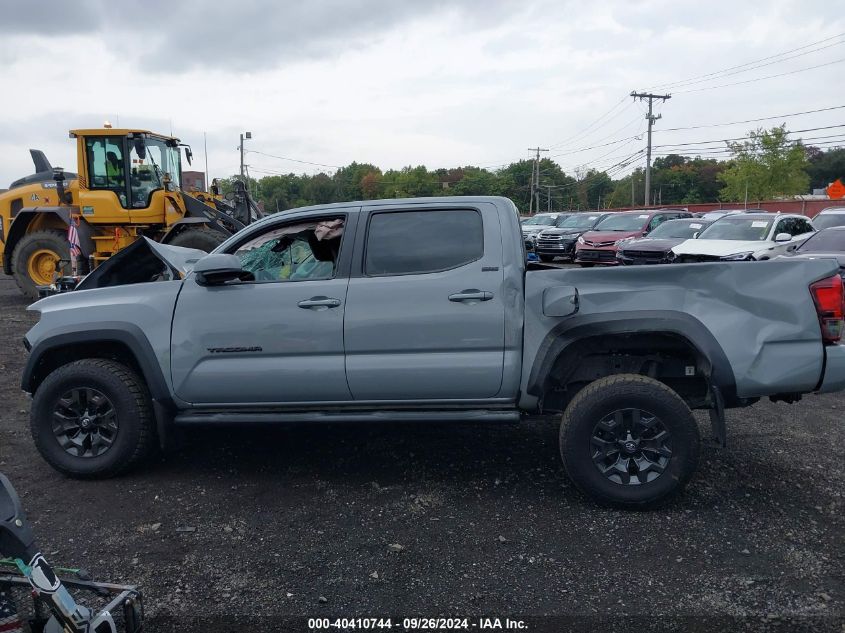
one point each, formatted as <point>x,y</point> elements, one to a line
<point>678,229</point>
<point>623,222</point>
<point>579,221</point>
<point>824,242</point>
<point>542,220</point>
<point>737,228</point>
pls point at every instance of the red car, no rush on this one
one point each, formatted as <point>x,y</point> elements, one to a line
<point>599,246</point>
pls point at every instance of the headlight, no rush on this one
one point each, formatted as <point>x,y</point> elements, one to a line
<point>736,257</point>
<point>580,240</point>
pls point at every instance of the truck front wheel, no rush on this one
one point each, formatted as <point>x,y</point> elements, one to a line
<point>203,239</point>
<point>629,441</point>
<point>91,419</point>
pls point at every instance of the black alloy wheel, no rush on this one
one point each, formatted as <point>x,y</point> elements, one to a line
<point>631,447</point>
<point>85,422</point>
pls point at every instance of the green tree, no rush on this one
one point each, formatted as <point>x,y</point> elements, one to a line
<point>825,166</point>
<point>768,165</point>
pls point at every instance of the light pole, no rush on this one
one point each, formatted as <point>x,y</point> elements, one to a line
<point>244,135</point>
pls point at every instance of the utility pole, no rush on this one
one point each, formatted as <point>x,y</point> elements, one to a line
<point>633,201</point>
<point>549,188</point>
<point>247,135</point>
<point>205,151</point>
<point>651,118</point>
<point>534,204</point>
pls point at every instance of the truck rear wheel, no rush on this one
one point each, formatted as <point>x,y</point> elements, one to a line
<point>629,441</point>
<point>36,258</point>
<point>202,239</point>
<point>91,419</point>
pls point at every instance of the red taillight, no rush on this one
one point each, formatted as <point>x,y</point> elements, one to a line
<point>830,304</point>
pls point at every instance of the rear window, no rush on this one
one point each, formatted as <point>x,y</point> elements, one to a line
<point>827,220</point>
<point>824,242</point>
<point>414,242</point>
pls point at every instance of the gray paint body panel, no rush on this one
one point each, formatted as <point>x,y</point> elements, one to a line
<point>761,313</point>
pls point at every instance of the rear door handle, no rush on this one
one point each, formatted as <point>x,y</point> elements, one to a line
<point>472,295</point>
<point>319,303</point>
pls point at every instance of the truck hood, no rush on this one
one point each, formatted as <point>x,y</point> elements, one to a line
<point>652,243</point>
<point>608,236</point>
<point>142,261</point>
<point>719,248</point>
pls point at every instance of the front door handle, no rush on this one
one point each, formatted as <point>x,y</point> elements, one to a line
<point>472,295</point>
<point>319,303</point>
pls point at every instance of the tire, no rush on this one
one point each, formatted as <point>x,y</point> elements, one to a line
<point>547,258</point>
<point>202,239</point>
<point>583,437</point>
<point>33,249</point>
<point>586,265</point>
<point>124,391</point>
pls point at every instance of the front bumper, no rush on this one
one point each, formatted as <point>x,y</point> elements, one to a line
<point>559,248</point>
<point>834,369</point>
<point>606,256</point>
<point>642,257</point>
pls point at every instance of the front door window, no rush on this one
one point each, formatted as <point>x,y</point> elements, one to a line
<point>106,165</point>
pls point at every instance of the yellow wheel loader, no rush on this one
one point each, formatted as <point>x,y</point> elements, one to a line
<point>54,223</point>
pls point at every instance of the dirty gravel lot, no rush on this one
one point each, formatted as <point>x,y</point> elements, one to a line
<point>299,521</point>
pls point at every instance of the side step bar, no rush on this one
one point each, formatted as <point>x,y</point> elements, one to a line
<point>199,418</point>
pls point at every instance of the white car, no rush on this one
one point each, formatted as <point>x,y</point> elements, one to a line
<point>746,237</point>
<point>832,216</point>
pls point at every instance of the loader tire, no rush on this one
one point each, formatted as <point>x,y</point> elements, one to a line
<point>92,419</point>
<point>629,441</point>
<point>202,239</point>
<point>36,257</point>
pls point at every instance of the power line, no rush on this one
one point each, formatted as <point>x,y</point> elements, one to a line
<point>684,84</point>
<point>749,81</point>
<point>765,118</point>
<point>580,134</point>
<point>717,72</point>
<point>745,138</point>
<point>293,160</point>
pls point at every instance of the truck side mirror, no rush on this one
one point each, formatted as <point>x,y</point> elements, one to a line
<point>16,539</point>
<point>783,237</point>
<point>188,154</point>
<point>219,268</point>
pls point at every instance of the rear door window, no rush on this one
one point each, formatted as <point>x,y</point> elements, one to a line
<point>418,242</point>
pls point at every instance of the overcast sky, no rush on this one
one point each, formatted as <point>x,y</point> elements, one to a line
<point>405,83</point>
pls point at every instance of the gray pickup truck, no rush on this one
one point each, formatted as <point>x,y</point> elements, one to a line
<point>425,310</point>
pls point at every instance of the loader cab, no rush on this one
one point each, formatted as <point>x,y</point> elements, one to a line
<point>126,174</point>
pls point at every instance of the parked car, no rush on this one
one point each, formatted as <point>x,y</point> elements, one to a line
<point>721,213</point>
<point>599,245</point>
<point>656,247</point>
<point>746,237</point>
<point>424,310</point>
<point>533,225</point>
<point>826,243</point>
<point>832,216</point>
<point>560,240</point>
